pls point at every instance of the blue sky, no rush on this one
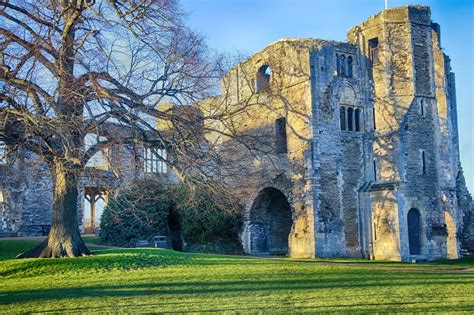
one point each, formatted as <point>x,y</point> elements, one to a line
<point>246,26</point>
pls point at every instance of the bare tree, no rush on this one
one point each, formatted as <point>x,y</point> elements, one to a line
<point>70,68</point>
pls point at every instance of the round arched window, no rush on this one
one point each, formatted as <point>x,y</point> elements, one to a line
<point>264,75</point>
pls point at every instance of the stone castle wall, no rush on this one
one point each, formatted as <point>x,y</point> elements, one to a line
<point>339,155</point>
<point>405,155</point>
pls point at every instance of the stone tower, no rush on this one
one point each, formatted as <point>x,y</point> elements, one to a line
<point>415,146</point>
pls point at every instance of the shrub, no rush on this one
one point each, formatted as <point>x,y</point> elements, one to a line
<point>207,220</point>
<point>137,214</point>
<point>209,224</point>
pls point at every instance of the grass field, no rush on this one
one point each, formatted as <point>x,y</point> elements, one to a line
<point>154,280</point>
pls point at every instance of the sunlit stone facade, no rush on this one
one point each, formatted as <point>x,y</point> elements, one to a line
<point>370,166</point>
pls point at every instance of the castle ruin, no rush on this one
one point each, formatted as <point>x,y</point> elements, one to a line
<point>364,157</point>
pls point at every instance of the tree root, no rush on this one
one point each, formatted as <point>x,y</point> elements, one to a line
<point>57,249</point>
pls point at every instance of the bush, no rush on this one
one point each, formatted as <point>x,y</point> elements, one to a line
<point>209,224</point>
<point>206,223</point>
<point>137,214</point>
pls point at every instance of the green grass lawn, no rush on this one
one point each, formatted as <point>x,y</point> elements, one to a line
<point>154,280</point>
<point>91,239</point>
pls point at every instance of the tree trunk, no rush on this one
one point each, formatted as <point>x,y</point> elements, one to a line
<point>64,239</point>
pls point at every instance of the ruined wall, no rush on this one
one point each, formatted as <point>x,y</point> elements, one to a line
<point>395,152</point>
<point>262,163</point>
<point>26,185</point>
<point>466,205</point>
<point>385,223</point>
<point>452,186</point>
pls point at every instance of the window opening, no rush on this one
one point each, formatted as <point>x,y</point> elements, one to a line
<point>423,163</point>
<point>154,160</point>
<point>263,78</point>
<point>373,117</point>
<point>342,116</point>
<point>357,119</point>
<point>349,67</point>
<point>374,51</point>
<point>280,136</point>
<point>375,169</point>
<point>350,119</point>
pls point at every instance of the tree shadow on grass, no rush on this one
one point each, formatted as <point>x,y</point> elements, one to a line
<point>202,288</point>
<point>443,264</point>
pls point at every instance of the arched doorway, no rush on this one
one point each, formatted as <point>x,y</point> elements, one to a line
<point>414,231</point>
<point>270,223</point>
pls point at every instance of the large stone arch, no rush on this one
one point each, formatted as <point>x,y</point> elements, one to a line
<point>270,222</point>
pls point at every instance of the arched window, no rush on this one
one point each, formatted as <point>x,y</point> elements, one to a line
<point>342,117</point>
<point>350,119</point>
<point>422,107</point>
<point>3,153</point>
<point>414,231</point>
<point>343,65</point>
<point>264,75</point>
<point>357,119</point>
<point>349,67</point>
<point>100,159</point>
<point>338,64</point>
